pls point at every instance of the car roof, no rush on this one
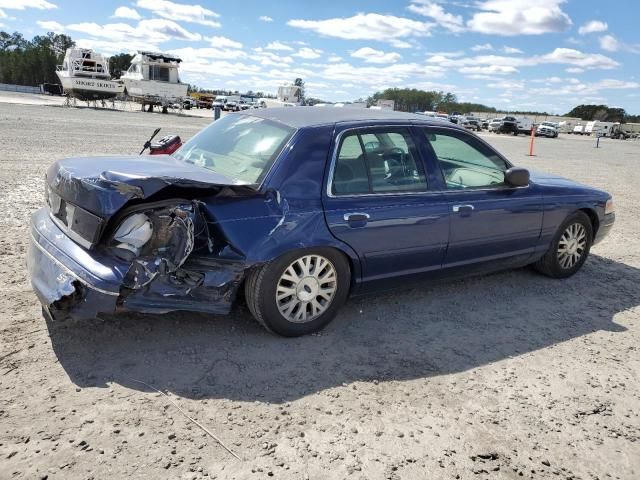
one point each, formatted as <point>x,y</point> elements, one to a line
<point>299,117</point>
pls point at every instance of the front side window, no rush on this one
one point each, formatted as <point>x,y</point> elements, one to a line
<point>377,161</point>
<point>465,161</point>
<point>241,147</point>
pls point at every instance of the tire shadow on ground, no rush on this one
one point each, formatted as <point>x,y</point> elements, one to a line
<point>424,331</point>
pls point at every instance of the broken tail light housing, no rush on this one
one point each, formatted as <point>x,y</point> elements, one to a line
<point>156,241</point>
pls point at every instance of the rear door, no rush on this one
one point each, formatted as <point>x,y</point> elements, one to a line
<point>379,202</point>
<point>492,224</point>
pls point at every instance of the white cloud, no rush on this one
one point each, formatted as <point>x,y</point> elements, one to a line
<point>507,85</point>
<point>511,50</point>
<point>111,47</point>
<point>576,87</point>
<point>519,17</point>
<point>458,53</point>
<point>204,55</point>
<point>609,43</point>
<point>378,77</point>
<point>126,12</point>
<point>482,47</point>
<point>593,26</point>
<point>270,59</point>
<point>279,46</point>
<point>400,43</point>
<point>368,26</point>
<point>574,70</point>
<point>498,64</point>
<point>435,11</point>
<point>370,55</point>
<point>51,26</point>
<point>612,44</point>
<point>148,32</point>
<point>548,80</point>
<point>265,18</point>
<point>181,12</point>
<point>334,58</point>
<point>489,70</point>
<point>579,59</point>
<point>309,53</point>
<point>22,4</point>
<point>223,42</point>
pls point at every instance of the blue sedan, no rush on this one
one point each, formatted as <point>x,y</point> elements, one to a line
<point>296,209</point>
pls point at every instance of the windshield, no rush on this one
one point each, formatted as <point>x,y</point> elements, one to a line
<point>242,147</point>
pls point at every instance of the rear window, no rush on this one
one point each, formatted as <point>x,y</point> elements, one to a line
<point>241,147</point>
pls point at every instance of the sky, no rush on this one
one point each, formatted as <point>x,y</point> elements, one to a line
<point>543,55</point>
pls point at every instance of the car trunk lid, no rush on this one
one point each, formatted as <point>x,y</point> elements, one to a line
<point>83,193</point>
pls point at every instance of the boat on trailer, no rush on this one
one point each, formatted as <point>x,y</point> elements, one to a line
<point>153,79</point>
<point>84,74</point>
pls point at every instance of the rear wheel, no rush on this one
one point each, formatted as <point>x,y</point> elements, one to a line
<point>569,249</point>
<point>300,292</point>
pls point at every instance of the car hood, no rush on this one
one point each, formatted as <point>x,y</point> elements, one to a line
<point>551,180</point>
<point>103,185</point>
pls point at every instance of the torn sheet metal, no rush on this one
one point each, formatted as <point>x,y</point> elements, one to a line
<point>172,240</point>
<point>165,276</point>
<point>103,185</point>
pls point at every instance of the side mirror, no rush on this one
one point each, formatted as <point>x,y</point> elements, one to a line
<point>517,177</point>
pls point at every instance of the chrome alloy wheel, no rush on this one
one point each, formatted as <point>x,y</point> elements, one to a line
<point>306,288</point>
<point>572,245</point>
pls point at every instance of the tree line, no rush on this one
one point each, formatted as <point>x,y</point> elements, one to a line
<point>603,113</point>
<point>33,62</point>
<point>414,100</point>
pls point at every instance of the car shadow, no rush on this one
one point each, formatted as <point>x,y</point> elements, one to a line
<point>419,332</point>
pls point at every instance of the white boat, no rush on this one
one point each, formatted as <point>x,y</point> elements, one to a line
<point>84,74</point>
<point>153,79</point>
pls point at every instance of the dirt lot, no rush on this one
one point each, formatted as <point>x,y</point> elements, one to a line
<point>512,375</point>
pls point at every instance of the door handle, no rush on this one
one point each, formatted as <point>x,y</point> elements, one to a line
<point>463,208</point>
<point>356,217</point>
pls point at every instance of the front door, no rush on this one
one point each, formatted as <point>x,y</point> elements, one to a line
<point>378,201</point>
<point>493,224</point>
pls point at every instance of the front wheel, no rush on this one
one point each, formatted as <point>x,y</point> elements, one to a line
<point>569,249</point>
<point>300,292</point>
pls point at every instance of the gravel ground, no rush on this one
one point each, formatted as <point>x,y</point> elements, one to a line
<point>512,375</point>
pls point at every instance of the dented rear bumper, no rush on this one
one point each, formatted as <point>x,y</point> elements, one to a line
<point>71,281</point>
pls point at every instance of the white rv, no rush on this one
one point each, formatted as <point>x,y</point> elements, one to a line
<point>290,94</point>
<point>153,79</point>
<point>597,128</point>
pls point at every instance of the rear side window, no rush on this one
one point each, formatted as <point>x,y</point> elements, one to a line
<point>377,161</point>
<point>465,161</point>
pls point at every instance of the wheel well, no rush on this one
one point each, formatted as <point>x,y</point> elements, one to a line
<point>248,271</point>
<point>593,216</point>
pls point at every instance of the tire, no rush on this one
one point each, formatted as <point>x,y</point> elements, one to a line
<point>266,282</point>
<point>551,264</point>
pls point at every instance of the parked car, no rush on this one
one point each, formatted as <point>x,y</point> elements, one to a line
<point>494,125</point>
<point>299,208</point>
<point>547,129</point>
<point>231,106</point>
<point>472,124</point>
<point>514,125</point>
<point>189,103</point>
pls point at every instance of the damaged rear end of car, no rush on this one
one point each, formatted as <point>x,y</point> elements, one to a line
<point>158,233</point>
<point>130,253</point>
